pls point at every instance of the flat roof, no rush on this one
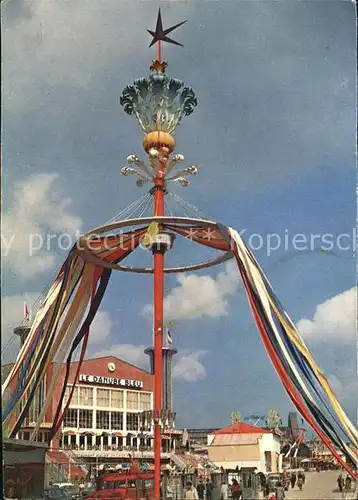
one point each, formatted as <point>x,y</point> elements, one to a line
<point>23,445</point>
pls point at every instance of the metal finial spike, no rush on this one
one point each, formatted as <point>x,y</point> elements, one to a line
<point>160,34</point>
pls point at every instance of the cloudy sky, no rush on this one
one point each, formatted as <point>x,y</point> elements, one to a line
<point>274,139</point>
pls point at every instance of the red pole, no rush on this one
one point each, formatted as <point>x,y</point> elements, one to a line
<point>158,329</point>
<point>159,51</point>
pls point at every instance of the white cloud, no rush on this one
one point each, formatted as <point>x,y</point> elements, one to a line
<point>37,212</point>
<point>334,320</point>
<point>344,385</point>
<point>73,51</point>
<point>189,367</point>
<point>199,296</point>
<point>100,328</point>
<point>128,352</point>
<point>12,316</point>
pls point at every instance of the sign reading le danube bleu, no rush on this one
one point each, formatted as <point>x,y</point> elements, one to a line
<point>119,382</point>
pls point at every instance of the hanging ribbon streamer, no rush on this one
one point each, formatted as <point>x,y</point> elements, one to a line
<point>78,291</point>
<point>301,377</point>
<point>56,325</point>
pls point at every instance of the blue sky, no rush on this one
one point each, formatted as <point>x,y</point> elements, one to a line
<point>274,139</point>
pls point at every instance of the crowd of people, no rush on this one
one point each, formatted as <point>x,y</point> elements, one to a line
<point>204,490</point>
<point>277,492</point>
<point>344,484</point>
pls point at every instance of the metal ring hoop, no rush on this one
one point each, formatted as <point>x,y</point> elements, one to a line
<point>86,254</point>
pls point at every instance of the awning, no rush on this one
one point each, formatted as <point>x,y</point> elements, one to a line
<point>69,433</point>
<point>131,434</point>
<point>117,434</point>
<point>165,437</point>
<point>87,433</point>
<point>105,434</point>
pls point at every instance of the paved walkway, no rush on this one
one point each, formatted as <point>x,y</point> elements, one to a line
<point>320,486</point>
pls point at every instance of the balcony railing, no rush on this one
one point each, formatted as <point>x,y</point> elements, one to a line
<point>89,447</point>
<point>117,453</point>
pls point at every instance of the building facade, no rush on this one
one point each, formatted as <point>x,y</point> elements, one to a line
<point>241,445</point>
<point>104,412</point>
<point>103,421</point>
<point>199,436</point>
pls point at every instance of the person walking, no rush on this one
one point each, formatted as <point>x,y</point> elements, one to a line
<point>208,489</point>
<point>190,493</point>
<point>224,490</point>
<point>301,475</point>
<point>300,483</point>
<point>280,491</point>
<point>10,485</point>
<point>340,482</point>
<point>235,490</point>
<point>348,483</point>
<point>201,489</point>
<point>19,489</point>
<point>293,480</point>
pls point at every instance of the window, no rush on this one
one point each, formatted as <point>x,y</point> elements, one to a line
<point>74,399</point>
<point>132,421</point>
<point>103,398</point>
<point>70,419</point>
<point>102,419</point>
<point>67,395</point>
<point>38,401</point>
<point>86,396</point>
<point>116,399</point>
<point>144,401</point>
<point>116,420</point>
<point>132,400</point>
<point>85,419</point>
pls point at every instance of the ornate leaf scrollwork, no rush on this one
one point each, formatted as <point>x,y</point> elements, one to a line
<point>158,102</point>
<point>128,99</point>
<point>189,100</point>
<point>235,417</point>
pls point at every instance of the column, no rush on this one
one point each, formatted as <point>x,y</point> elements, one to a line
<point>124,421</point>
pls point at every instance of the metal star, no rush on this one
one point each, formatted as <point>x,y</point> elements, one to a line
<point>160,34</point>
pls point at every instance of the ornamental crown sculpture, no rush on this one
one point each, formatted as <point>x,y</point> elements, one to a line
<point>158,102</point>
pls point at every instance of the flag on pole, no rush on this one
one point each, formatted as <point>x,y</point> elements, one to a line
<point>26,312</point>
<point>169,337</point>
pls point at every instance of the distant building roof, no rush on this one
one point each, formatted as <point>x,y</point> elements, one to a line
<point>242,428</point>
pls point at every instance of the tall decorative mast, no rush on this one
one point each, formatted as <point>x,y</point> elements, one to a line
<point>158,102</point>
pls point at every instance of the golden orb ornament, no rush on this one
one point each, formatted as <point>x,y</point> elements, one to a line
<point>159,140</point>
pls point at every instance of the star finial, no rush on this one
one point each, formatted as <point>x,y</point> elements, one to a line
<point>160,34</point>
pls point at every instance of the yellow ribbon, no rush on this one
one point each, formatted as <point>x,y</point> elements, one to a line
<point>150,234</point>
